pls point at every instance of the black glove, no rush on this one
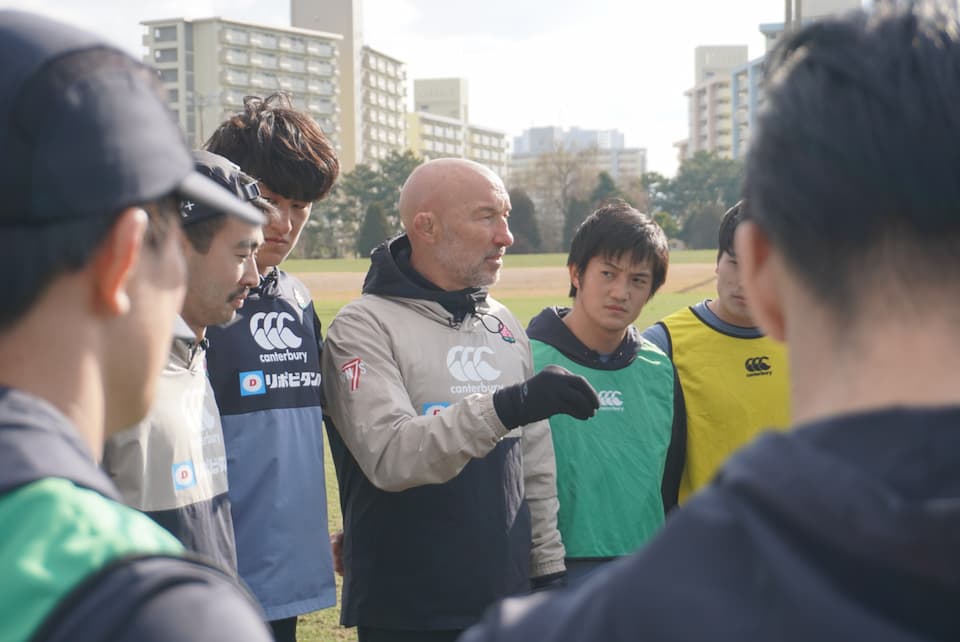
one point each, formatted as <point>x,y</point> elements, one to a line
<point>548,582</point>
<point>552,391</point>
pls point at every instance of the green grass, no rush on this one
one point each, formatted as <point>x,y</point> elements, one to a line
<point>511,261</point>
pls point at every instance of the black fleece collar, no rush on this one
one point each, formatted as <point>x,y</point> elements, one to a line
<point>391,274</point>
<point>548,327</point>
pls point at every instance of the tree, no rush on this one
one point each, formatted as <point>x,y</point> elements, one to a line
<point>523,223</point>
<point>667,223</point>
<point>552,180</point>
<point>374,230</point>
<point>577,211</point>
<point>702,225</point>
<point>346,206</point>
<point>605,189</point>
<point>705,178</point>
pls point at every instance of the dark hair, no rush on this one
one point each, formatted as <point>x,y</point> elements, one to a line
<point>728,227</point>
<point>33,256</point>
<point>279,145</point>
<point>854,170</point>
<point>612,231</point>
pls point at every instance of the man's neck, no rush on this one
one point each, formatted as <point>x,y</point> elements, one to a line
<point>589,334</point>
<point>879,364</point>
<point>721,313</point>
<point>59,367</point>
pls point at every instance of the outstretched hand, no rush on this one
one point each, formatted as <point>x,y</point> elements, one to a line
<point>552,391</point>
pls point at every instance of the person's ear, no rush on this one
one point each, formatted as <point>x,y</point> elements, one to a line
<point>761,275</point>
<point>574,276</point>
<point>425,226</point>
<point>116,260</point>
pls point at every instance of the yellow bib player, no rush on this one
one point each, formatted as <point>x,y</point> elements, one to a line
<point>734,379</point>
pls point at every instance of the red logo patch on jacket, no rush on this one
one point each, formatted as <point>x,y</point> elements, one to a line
<point>351,372</point>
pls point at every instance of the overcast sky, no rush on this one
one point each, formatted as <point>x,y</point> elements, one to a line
<point>596,64</point>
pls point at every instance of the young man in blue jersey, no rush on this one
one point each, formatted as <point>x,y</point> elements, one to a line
<point>265,371</point>
<point>735,380</point>
<point>92,171</point>
<point>845,527</point>
<point>617,475</point>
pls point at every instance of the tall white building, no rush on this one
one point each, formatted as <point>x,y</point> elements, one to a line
<point>208,65</point>
<point>710,110</point>
<point>439,125</point>
<point>728,89</point>
<point>372,84</point>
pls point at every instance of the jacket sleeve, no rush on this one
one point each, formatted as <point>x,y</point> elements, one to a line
<point>677,452</point>
<point>395,446</point>
<point>540,484</point>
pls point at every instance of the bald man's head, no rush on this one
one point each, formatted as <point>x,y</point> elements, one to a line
<point>455,214</point>
<point>440,186</point>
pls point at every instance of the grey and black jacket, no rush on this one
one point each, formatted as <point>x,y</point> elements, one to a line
<point>445,511</point>
<point>173,465</point>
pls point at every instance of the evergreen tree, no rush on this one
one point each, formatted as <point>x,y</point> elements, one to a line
<point>523,223</point>
<point>374,230</point>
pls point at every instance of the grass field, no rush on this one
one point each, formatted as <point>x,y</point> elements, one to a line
<point>296,266</point>
<point>530,282</point>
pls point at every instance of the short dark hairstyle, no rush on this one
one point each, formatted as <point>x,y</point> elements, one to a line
<point>728,228</point>
<point>854,170</point>
<point>37,254</point>
<point>614,230</point>
<point>279,145</point>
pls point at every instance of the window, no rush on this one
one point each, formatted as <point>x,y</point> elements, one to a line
<point>237,57</point>
<point>173,95</point>
<point>237,36</point>
<point>168,75</point>
<point>165,55</point>
<point>319,49</point>
<point>165,34</point>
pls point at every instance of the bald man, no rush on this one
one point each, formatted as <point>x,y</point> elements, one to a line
<point>445,464</point>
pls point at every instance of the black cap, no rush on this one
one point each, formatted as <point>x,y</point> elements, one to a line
<point>89,143</point>
<point>234,182</point>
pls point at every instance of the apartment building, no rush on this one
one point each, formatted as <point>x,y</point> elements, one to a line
<point>207,66</point>
<point>439,125</point>
<point>372,95</point>
<point>710,109</point>
<point>728,89</point>
<point>382,105</point>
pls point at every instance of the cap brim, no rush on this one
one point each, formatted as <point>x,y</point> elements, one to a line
<point>197,187</point>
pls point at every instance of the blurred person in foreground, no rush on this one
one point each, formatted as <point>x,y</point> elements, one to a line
<point>92,172</point>
<point>844,528</point>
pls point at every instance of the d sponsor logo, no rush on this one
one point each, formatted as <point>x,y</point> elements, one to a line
<point>610,399</point>
<point>184,476</point>
<point>757,366</point>
<point>434,408</point>
<point>251,383</point>
<point>269,332</point>
<point>467,364</point>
